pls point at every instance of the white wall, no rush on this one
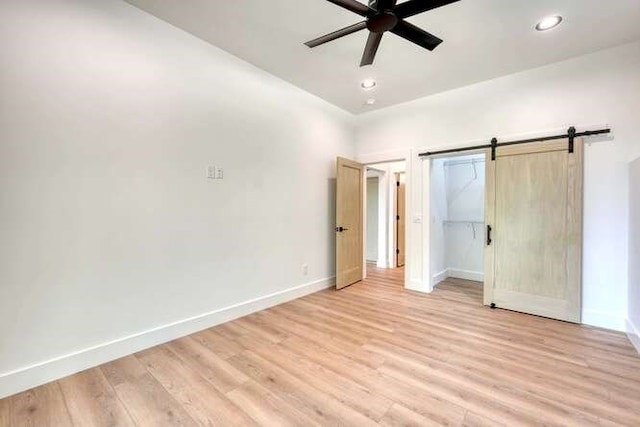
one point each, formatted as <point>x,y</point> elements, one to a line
<point>372,219</point>
<point>633,324</point>
<point>108,119</point>
<point>601,88</point>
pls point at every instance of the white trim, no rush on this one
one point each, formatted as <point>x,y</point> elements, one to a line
<point>457,273</point>
<point>371,159</point>
<point>417,285</point>
<point>425,223</point>
<point>27,377</point>
<point>603,319</point>
<point>439,277</point>
<point>634,334</point>
<point>477,276</point>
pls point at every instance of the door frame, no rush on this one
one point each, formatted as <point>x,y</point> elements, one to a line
<point>428,274</point>
<point>371,160</point>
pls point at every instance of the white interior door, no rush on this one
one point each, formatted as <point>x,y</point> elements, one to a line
<point>534,211</point>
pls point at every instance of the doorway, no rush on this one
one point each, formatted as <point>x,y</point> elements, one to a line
<point>353,223</point>
<point>385,214</point>
<point>457,218</point>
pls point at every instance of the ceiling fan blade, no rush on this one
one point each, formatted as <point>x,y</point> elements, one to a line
<point>352,5</point>
<point>413,7</point>
<point>380,5</point>
<point>337,34</point>
<point>371,48</point>
<point>416,35</point>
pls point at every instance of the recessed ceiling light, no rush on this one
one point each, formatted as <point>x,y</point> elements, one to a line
<point>370,101</point>
<point>368,84</point>
<point>549,22</point>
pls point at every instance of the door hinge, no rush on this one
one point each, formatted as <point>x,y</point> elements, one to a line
<point>397,251</point>
<point>397,183</point>
<point>397,217</point>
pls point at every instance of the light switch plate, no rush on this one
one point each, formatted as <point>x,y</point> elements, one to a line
<point>211,172</point>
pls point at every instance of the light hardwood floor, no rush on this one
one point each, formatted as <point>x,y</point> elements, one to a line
<point>370,354</point>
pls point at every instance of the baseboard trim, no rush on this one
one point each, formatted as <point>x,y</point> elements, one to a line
<point>634,334</point>
<point>466,274</point>
<point>439,277</point>
<point>27,377</point>
<point>416,285</point>
<point>603,319</point>
<point>458,274</point>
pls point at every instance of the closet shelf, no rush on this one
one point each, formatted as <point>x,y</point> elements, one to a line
<point>468,223</point>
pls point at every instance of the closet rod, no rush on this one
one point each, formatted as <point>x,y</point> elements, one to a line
<point>462,162</point>
<point>571,134</point>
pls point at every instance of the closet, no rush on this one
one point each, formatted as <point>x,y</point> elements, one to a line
<point>457,197</point>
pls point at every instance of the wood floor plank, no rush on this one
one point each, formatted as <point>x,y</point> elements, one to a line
<point>218,371</point>
<point>217,343</point>
<point>399,416</point>
<point>424,402</point>
<point>147,402</point>
<point>314,331</point>
<point>481,389</point>
<point>267,408</point>
<point>317,405</point>
<point>41,406</point>
<point>92,401</point>
<point>345,390</point>
<point>191,390</point>
<point>5,412</point>
<point>472,419</point>
<point>373,352</point>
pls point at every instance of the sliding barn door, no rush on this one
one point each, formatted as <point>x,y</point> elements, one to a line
<point>534,229</point>
<point>349,223</point>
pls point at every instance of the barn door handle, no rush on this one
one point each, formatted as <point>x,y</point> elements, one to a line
<point>340,229</point>
<point>488,235</point>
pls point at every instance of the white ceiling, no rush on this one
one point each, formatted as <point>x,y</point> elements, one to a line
<point>483,39</point>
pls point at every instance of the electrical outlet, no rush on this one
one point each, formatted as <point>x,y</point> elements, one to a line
<point>305,269</point>
<point>211,172</point>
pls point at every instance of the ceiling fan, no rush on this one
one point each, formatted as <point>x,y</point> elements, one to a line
<point>382,16</point>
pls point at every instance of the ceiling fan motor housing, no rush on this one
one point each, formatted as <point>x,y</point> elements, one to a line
<point>381,22</point>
